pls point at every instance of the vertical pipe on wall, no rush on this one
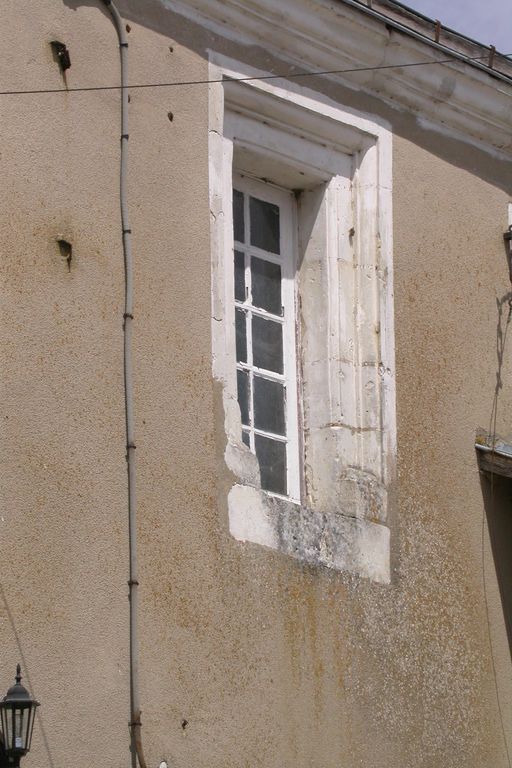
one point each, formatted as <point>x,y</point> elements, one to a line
<point>135,718</point>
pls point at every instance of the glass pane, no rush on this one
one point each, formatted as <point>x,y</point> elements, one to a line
<point>5,725</point>
<point>269,406</point>
<point>272,458</point>
<point>267,344</point>
<point>264,225</point>
<point>266,285</point>
<point>246,439</point>
<point>238,216</point>
<point>241,336</point>
<point>18,728</point>
<point>242,380</point>
<point>239,276</point>
<point>30,727</point>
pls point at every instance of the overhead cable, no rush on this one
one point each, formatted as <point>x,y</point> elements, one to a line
<point>253,78</point>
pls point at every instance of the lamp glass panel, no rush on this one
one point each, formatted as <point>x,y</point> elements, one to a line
<point>19,732</point>
<point>27,727</point>
<point>30,726</point>
<point>12,728</point>
<point>5,729</point>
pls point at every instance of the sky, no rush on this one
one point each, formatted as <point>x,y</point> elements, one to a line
<point>487,21</point>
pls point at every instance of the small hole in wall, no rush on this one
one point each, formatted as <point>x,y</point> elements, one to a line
<point>170,116</point>
<point>66,251</point>
<point>128,28</point>
<point>61,55</point>
<point>171,49</point>
<point>184,724</point>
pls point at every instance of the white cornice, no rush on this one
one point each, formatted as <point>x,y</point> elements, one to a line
<point>320,35</point>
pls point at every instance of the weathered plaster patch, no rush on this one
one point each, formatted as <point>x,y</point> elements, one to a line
<point>318,538</point>
<point>362,495</point>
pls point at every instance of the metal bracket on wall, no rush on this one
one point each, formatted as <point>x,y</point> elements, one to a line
<point>507,236</point>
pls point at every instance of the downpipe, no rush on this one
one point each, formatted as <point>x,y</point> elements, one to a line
<point>133,583</point>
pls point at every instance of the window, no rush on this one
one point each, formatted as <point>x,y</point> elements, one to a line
<point>264,293</point>
<point>302,290</point>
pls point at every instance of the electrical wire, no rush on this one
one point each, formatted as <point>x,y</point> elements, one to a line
<point>285,76</point>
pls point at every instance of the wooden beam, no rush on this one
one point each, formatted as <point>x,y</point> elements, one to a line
<point>494,462</point>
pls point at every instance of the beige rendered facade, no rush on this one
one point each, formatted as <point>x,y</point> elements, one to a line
<point>377,636</point>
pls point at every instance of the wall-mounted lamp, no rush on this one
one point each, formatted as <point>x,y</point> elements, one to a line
<point>17,713</point>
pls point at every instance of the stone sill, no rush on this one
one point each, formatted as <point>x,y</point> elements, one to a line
<point>333,540</point>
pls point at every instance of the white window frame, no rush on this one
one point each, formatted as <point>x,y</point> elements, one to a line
<point>342,161</point>
<point>288,262</point>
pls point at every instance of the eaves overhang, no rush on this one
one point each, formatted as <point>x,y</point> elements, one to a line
<point>440,84</point>
<point>432,33</point>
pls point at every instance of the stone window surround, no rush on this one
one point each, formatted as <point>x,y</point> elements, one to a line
<point>341,161</point>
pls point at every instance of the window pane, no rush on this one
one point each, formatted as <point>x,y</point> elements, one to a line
<point>238,216</point>
<point>272,459</point>
<point>239,276</point>
<point>246,439</point>
<point>242,379</point>
<point>269,406</point>
<point>264,225</point>
<point>266,285</point>
<point>241,336</point>
<point>267,344</point>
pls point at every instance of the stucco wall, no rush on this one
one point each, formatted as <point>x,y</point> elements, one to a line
<point>270,663</point>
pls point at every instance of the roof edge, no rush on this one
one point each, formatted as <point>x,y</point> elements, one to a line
<point>365,51</point>
<point>493,62</point>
